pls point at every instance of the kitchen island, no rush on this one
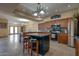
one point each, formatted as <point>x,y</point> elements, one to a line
<point>43,39</point>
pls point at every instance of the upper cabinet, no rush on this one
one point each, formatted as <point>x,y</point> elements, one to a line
<point>47,25</point>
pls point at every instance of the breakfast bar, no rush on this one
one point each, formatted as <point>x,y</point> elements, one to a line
<point>43,39</point>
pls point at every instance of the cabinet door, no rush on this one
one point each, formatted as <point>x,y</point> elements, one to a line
<point>63,38</point>
<point>77,47</point>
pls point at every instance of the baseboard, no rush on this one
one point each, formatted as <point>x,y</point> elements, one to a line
<point>3,36</point>
<point>71,46</point>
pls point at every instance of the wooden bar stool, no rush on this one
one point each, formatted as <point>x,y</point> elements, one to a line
<point>34,47</point>
<point>26,44</point>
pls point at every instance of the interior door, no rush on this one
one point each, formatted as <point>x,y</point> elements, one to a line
<point>11,30</point>
<point>14,30</point>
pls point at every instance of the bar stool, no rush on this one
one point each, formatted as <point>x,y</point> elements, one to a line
<point>34,47</point>
<point>26,43</point>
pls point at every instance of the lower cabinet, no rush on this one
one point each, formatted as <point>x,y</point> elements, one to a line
<point>77,47</point>
<point>63,38</point>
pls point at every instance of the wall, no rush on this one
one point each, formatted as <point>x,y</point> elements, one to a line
<point>31,26</point>
<point>66,14</point>
<point>4,31</point>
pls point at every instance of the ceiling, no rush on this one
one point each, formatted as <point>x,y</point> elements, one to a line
<point>25,10</point>
<point>52,7</point>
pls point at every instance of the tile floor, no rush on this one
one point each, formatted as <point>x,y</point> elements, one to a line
<point>58,49</point>
<point>12,46</point>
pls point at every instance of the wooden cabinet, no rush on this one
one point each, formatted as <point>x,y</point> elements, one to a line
<point>47,25</point>
<point>63,38</point>
<point>77,47</point>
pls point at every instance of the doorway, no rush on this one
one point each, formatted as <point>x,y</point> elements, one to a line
<point>14,30</point>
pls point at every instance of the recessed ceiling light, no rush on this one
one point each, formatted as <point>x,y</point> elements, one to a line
<point>69,6</point>
<point>46,7</point>
<point>56,10</point>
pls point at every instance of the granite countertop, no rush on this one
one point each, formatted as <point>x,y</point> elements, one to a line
<point>37,34</point>
<point>76,37</point>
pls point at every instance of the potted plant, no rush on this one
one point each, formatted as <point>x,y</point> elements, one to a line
<point>75,17</point>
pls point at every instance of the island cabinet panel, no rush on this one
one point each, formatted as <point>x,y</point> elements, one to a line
<point>43,43</point>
